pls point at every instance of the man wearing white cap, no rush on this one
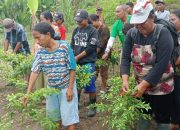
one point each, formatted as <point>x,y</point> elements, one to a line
<point>15,35</point>
<point>153,70</point>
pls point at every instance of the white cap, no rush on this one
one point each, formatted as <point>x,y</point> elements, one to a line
<point>141,11</point>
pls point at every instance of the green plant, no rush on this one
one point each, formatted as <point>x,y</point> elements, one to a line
<point>16,112</point>
<point>83,76</point>
<point>121,112</point>
<point>14,68</point>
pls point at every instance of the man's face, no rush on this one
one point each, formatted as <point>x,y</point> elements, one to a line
<point>120,12</point>
<point>129,10</point>
<point>160,6</point>
<point>83,23</point>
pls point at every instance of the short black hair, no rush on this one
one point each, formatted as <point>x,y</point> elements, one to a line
<point>130,4</point>
<point>44,28</point>
<point>47,15</point>
<point>94,17</point>
<point>177,13</point>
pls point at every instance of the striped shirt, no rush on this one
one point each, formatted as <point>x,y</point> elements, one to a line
<point>56,65</point>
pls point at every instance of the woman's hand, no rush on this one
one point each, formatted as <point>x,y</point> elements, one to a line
<point>140,89</point>
<point>124,88</point>
<point>69,94</point>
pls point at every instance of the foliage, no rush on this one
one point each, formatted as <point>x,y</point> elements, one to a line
<point>14,68</point>
<point>121,112</point>
<point>83,76</point>
<point>15,9</point>
<point>32,112</point>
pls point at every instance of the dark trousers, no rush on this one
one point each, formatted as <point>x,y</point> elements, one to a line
<point>176,95</point>
<point>161,107</point>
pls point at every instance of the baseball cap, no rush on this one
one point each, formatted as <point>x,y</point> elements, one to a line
<point>81,15</point>
<point>58,16</point>
<point>159,1</point>
<point>141,11</point>
<point>99,9</point>
<point>8,24</point>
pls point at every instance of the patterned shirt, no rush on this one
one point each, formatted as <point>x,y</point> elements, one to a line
<point>56,65</point>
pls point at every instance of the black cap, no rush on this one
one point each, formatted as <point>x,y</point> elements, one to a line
<point>81,15</point>
<point>58,16</point>
<point>159,1</point>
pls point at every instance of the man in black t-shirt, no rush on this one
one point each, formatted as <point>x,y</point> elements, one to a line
<point>84,43</point>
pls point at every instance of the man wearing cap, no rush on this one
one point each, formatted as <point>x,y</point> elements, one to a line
<point>123,18</point>
<point>59,19</point>
<point>15,35</point>
<point>161,13</point>
<point>150,59</point>
<point>84,43</point>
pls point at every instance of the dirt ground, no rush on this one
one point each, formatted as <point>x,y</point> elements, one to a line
<point>86,123</point>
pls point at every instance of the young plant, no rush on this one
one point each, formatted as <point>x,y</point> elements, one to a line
<point>16,112</point>
<point>121,112</point>
<point>83,76</point>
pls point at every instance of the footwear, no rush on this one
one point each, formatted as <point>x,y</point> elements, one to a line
<point>91,112</point>
<point>175,127</point>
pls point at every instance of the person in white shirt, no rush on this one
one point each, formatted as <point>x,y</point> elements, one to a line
<point>161,13</point>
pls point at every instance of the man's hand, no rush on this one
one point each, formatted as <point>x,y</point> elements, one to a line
<point>69,94</point>
<point>105,56</point>
<point>76,58</point>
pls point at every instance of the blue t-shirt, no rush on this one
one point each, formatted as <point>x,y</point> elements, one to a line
<point>56,65</point>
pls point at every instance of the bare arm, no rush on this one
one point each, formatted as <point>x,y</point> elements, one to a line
<point>69,93</point>
<point>32,81</point>
<point>18,46</point>
<point>80,56</point>
<point>6,45</point>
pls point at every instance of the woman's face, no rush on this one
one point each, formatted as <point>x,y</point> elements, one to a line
<point>41,39</point>
<point>96,23</point>
<point>174,19</point>
<point>42,19</point>
<point>145,28</point>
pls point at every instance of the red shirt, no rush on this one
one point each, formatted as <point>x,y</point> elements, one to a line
<point>62,31</point>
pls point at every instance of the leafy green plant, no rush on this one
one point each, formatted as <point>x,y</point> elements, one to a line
<point>101,62</point>
<point>14,68</point>
<point>83,76</point>
<point>34,111</point>
<point>121,112</point>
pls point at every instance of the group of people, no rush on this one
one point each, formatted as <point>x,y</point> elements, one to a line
<point>145,45</point>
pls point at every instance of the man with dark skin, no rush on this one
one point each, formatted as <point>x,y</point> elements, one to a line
<point>84,43</point>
